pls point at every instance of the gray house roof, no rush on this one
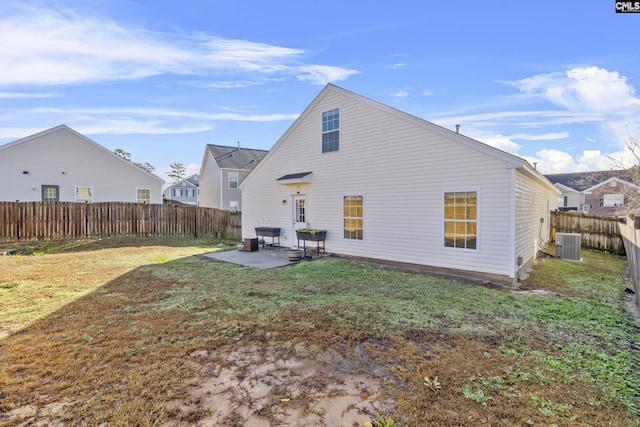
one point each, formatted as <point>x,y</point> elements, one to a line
<point>581,181</point>
<point>236,157</point>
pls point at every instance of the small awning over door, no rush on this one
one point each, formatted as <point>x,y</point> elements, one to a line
<point>295,178</point>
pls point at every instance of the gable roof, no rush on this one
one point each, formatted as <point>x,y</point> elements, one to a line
<point>609,182</point>
<point>65,128</point>
<point>192,180</point>
<point>511,160</point>
<point>236,157</point>
<point>582,181</point>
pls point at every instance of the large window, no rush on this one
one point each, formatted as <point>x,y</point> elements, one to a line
<point>143,195</point>
<point>330,131</point>
<point>233,179</point>
<point>461,219</point>
<point>84,194</point>
<point>353,211</point>
<point>50,193</point>
<point>612,200</point>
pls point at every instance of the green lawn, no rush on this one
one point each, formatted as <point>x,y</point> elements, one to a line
<point>103,331</point>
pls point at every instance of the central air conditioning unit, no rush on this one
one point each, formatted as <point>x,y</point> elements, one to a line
<point>568,246</point>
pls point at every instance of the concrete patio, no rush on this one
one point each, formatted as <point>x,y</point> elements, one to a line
<point>262,258</point>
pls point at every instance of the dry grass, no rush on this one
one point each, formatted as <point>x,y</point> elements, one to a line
<point>143,333</point>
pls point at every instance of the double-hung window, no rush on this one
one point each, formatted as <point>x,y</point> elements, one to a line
<point>233,179</point>
<point>461,219</point>
<point>143,195</point>
<point>331,130</point>
<point>353,211</point>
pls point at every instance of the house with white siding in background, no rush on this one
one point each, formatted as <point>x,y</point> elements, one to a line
<point>184,191</point>
<point>222,170</point>
<point>60,164</point>
<point>386,185</point>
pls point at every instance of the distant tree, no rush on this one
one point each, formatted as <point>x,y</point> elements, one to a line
<point>127,156</point>
<point>177,171</point>
<point>146,166</point>
<point>629,163</point>
<point>122,153</point>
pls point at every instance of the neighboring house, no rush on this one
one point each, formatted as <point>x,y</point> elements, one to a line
<point>605,193</point>
<point>222,170</point>
<point>60,164</point>
<point>387,185</point>
<point>184,191</point>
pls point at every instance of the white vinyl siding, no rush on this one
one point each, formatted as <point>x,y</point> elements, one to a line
<point>62,157</point>
<point>404,168</point>
<point>533,204</point>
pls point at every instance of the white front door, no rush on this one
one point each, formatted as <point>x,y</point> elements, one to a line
<point>299,217</point>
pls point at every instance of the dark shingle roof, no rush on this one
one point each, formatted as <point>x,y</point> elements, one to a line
<point>235,157</point>
<point>582,180</point>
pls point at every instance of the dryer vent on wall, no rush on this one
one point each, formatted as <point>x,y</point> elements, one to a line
<point>568,246</point>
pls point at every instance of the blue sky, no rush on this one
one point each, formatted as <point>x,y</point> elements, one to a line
<point>553,82</point>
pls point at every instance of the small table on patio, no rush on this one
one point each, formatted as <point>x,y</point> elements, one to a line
<point>272,232</point>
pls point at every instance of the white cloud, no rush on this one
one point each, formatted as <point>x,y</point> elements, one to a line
<point>588,94</point>
<point>498,141</point>
<point>396,66</point>
<point>46,47</point>
<point>402,93</point>
<point>323,74</point>
<point>551,161</point>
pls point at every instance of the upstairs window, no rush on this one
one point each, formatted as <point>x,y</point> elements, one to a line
<point>461,219</point>
<point>233,179</point>
<point>331,131</point>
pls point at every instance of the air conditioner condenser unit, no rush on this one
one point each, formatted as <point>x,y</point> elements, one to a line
<point>568,246</point>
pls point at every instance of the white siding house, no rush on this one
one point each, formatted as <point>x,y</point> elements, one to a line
<point>60,164</point>
<point>184,191</point>
<point>387,185</point>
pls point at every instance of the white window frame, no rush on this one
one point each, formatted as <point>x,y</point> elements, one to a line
<point>329,127</point>
<point>90,199</point>
<point>454,220</point>
<point>236,180</point>
<point>234,206</point>
<point>141,200</point>
<point>346,218</point>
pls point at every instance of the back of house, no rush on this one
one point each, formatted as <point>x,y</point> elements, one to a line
<point>390,186</point>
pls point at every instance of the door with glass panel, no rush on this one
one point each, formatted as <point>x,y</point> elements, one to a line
<point>299,217</point>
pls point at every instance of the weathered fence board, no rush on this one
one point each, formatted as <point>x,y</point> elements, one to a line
<point>69,220</point>
<point>598,232</point>
<point>631,238</point>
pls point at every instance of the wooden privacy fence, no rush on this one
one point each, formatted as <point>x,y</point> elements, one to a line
<point>631,237</point>
<point>598,232</point>
<point>69,220</point>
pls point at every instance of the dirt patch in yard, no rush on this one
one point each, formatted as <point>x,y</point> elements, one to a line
<point>292,384</point>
